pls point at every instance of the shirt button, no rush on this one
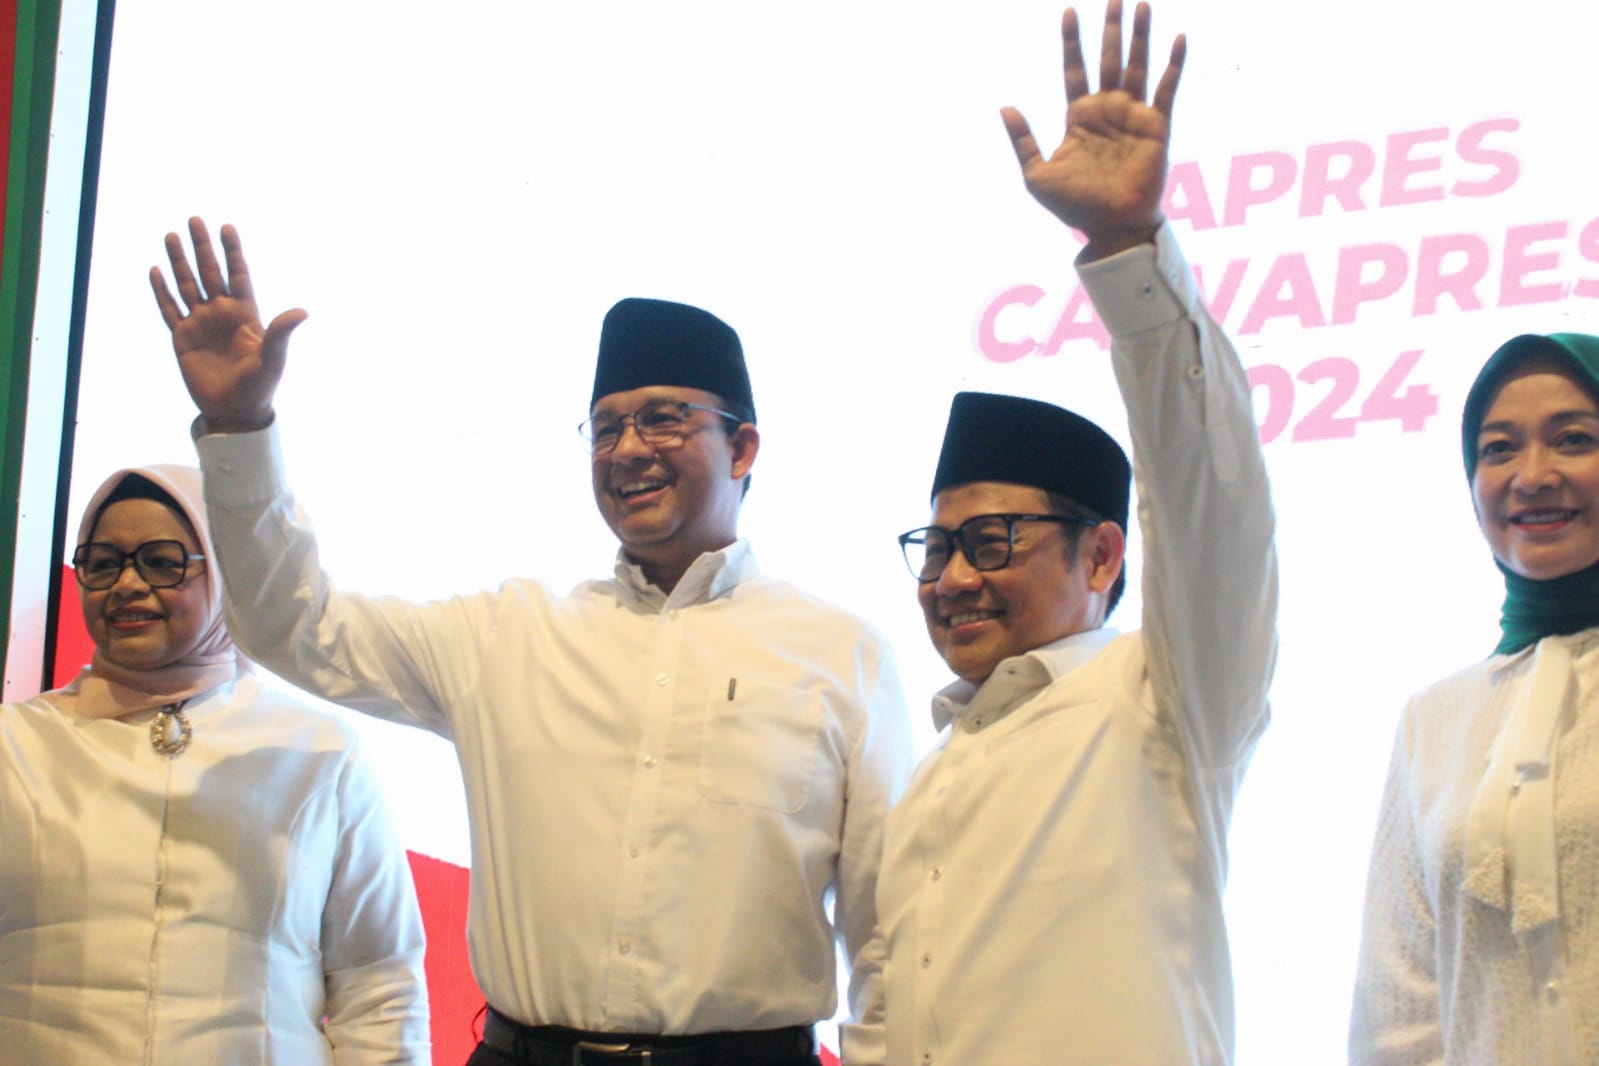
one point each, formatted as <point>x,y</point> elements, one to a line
<point>927,959</point>
<point>624,945</point>
<point>1147,292</point>
<point>663,679</point>
<point>977,723</point>
<point>938,872</point>
<point>1551,991</point>
<point>634,851</point>
<point>649,762</point>
<point>927,1058</point>
<point>1196,371</point>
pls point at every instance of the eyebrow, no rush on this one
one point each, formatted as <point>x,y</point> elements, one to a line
<point>1505,425</point>
<point>600,406</point>
<point>181,542</point>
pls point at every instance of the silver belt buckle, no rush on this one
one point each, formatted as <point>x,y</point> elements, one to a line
<point>606,1049</point>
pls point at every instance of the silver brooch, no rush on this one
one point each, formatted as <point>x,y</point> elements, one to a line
<point>170,730</point>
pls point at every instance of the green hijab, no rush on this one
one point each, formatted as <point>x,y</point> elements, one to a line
<point>1566,604</point>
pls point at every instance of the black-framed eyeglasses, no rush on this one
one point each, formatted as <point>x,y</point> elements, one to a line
<point>986,540</point>
<point>163,564</point>
<point>657,422</point>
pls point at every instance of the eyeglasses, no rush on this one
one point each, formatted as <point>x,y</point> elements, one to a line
<point>163,564</point>
<point>986,540</point>
<point>657,422</point>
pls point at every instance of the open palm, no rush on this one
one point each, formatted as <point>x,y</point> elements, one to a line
<point>1107,176</point>
<point>230,363</point>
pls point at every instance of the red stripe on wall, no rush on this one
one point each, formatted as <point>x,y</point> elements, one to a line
<point>8,74</point>
<point>74,649</point>
<point>453,995</point>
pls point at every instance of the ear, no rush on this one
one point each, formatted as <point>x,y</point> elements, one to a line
<point>745,442</point>
<point>1104,549</point>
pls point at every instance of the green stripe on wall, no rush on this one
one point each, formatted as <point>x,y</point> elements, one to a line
<point>37,31</point>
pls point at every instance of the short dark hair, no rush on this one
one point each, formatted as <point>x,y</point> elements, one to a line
<point>1070,508</point>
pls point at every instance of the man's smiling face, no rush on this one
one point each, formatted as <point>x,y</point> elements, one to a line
<point>977,619</point>
<point>669,503</point>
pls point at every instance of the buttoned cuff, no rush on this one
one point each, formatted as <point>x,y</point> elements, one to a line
<point>242,469</point>
<point>1142,288</point>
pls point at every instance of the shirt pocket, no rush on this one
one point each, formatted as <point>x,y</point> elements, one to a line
<point>760,746</point>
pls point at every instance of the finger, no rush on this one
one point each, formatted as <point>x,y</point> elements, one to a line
<point>238,269</point>
<point>1136,76</point>
<point>171,313</point>
<point>1110,48</point>
<point>182,276</point>
<point>1021,137</point>
<point>1076,73</point>
<point>1166,91</point>
<point>205,259</point>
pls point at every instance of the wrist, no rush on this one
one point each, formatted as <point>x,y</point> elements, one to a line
<point>234,422</point>
<point>1103,244</point>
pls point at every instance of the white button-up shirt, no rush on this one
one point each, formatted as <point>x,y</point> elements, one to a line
<point>1052,881</point>
<point>664,791</point>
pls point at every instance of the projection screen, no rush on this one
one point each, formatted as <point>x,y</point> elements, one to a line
<point>1374,194</point>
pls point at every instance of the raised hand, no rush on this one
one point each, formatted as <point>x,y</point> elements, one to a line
<point>230,364</point>
<point>1107,176</point>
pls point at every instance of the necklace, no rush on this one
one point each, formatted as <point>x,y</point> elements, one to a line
<point>170,729</point>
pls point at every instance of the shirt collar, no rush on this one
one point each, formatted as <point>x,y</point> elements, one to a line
<point>711,576</point>
<point>1019,678</point>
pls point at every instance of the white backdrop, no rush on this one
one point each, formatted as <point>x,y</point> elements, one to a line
<point>1376,193</point>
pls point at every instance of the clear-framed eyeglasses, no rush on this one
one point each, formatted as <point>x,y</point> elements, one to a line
<point>659,422</point>
<point>987,541</point>
<point>163,564</point>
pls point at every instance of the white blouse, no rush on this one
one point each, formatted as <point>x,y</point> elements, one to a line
<point>244,901</point>
<point>1481,943</point>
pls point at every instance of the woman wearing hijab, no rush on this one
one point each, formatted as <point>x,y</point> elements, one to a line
<point>1481,940</point>
<point>193,868</point>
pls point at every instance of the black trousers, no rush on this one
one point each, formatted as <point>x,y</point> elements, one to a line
<point>487,1056</point>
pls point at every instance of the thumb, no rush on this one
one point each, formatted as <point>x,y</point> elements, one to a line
<point>277,334</point>
<point>1021,137</point>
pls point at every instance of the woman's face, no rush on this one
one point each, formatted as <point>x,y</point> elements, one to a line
<point>134,625</point>
<point>1536,487</point>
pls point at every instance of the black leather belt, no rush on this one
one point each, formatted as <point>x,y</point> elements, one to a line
<point>554,1045</point>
